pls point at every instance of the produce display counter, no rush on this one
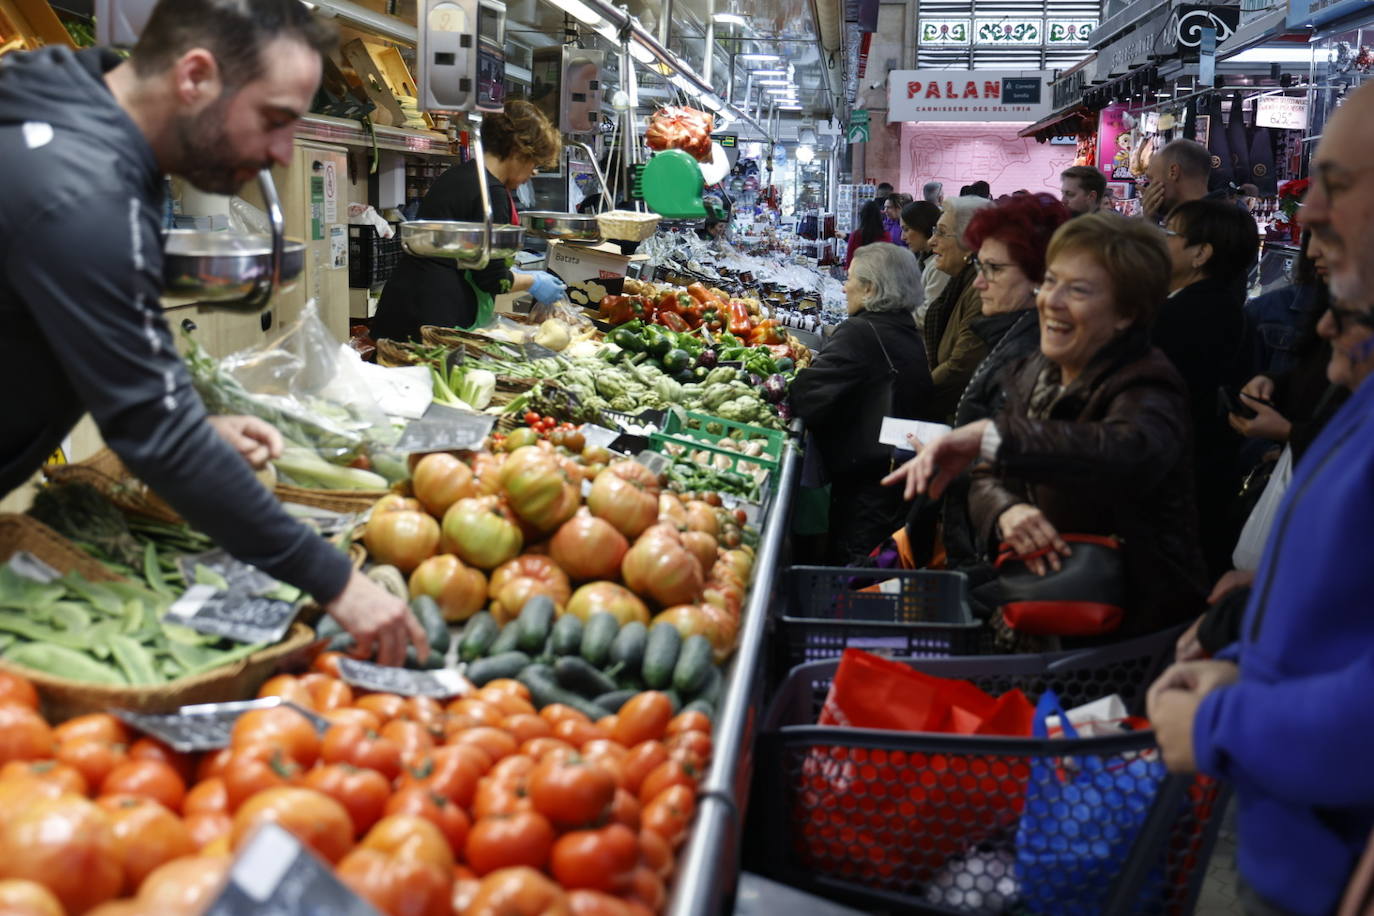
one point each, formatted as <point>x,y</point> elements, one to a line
<point>709,865</point>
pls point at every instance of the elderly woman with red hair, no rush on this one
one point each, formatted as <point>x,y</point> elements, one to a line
<point>1009,243</point>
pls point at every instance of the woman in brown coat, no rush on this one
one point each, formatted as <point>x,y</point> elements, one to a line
<point>1095,436</point>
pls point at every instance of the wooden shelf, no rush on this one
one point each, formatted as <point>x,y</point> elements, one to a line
<point>352,133</point>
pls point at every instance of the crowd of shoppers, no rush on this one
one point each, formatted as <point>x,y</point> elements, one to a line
<point>1104,376</point>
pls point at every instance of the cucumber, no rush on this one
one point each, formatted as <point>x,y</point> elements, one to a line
<point>710,691</point>
<point>627,650</point>
<point>533,624</point>
<point>507,664</point>
<point>660,655</point>
<point>427,611</point>
<point>480,632</point>
<point>674,698</point>
<point>507,641</point>
<point>597,637</point>
<point>629,680</point>
<point>693,664</point>
<point>578,675</point>
<point>611,702</point>
<point>703,707</point>
<point>432,661</point>
<point>566,638</point>
<point>544,691</point>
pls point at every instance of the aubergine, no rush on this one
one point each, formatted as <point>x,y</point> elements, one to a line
<point>775,388</point>
<point>706,359</point>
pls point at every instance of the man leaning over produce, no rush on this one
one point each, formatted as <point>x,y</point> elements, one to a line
<point>211,93</point>
<point>1284,714</point>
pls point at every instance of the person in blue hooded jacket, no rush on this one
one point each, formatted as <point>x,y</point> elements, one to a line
<point>1284,714</point>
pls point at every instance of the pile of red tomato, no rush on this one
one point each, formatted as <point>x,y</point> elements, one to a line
<point>481,807</point>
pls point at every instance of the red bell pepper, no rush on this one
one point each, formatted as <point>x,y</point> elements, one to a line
<point>766,333</point>
<point>737,314</point>
<point>668,301</point>
<point>673,322</point>
<point>616,309</point>
<point>699,293</point>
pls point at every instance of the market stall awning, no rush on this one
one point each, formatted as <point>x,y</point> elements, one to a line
<point>1064,123</point>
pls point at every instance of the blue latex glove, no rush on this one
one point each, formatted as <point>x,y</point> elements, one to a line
<point>546,288</point>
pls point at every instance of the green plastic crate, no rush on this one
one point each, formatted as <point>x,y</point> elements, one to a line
<point>691,428</point>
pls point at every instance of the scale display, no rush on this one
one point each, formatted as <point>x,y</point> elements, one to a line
<point>462,61</point>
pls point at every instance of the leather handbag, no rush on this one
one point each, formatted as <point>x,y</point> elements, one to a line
<point>1085,597</point>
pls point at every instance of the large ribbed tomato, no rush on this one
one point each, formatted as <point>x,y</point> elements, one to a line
<point>518,891</point>
<point>610,597</point>
<point>516,581</point>
<point>482,532</point>
<point>704,620</point>
<point>702,546</point>
<point>486,472</point>
<point>671,510</point>
<point>28,898</point>
<point>440,480</point>
<point>588,548</point>
<point>397,886</point>
<point>702,517</point>
<point>626,495</point>
<point>401,539</point>
<point>459,589</point>
<point>661,568</point>
<point>538,489</point>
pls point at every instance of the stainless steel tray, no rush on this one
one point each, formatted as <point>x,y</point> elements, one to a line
<point>567,227</point>
<point>459,241</point>
<point>204,266</point>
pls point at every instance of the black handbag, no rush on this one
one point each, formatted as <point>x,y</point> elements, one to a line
<point>1085,597</point>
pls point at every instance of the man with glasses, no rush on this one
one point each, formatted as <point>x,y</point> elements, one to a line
<point>1285,716</point>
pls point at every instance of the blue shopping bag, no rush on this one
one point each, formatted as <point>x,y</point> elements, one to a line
<point>1082,815</point>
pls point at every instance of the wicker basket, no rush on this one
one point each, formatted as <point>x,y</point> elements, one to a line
<point>107,473</point>
<point>63,698</point>
<point>392,354</point>
<point>343,501</point>
<point>627,225</point>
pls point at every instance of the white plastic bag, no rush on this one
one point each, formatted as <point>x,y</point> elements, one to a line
<point>1250,546</point>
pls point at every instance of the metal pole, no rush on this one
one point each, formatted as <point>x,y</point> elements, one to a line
<point>665,23</point>
<point>707,58</point>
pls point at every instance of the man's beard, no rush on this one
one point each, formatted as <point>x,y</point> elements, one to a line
<point>208,161</point>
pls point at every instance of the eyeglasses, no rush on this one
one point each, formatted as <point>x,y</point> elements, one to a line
<point>1341,315</point>
<point>988,270</point>
<point>942,233</point>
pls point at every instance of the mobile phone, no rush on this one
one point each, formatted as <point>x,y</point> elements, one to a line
<point>1230,402</point>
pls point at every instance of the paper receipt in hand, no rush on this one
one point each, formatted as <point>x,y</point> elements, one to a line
<point>895,430</point>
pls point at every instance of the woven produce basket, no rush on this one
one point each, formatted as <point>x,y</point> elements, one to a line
<point>627,225</point>
<point>107,473</point>
<point>63,698</point>
<point>391,354</point>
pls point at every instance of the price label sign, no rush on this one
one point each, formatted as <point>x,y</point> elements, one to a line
<point>206,726</point>
<point>242,618</point>
<point>599,435</point>
<point>655,462</point>
<point>273,873</point>
<point>444,429</point>
<point>241,578</point>
<point>29,566</point>
<point>439,684</point>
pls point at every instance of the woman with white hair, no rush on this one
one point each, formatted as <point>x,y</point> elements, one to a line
<point>874,365</point>
<point>952,346</point>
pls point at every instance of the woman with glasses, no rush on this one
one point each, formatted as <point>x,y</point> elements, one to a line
<point>1094,435</point>
<point>1201,328</point>
<point>1010,240</point>
<point>872,366</point>
<point>952,347</point>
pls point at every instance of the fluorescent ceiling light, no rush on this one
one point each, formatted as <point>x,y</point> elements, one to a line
<point>773,82</point>
<point>1271,55</point>
<point>789,108</point>
<point>578,10</point>
<point>781,90</point>
<point>730,19</point>
<point>641,53</point>
<point>768,72</point>
<point>759,57</point>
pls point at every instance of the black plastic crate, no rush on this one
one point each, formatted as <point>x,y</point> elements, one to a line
<point>912,822</point>
<point>371,258</point>
<point>919,612</point>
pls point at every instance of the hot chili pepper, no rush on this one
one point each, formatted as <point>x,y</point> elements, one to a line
<point>738,318</point>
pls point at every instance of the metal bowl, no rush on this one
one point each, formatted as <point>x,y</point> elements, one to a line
<point>461,242</point>
<point>567,227</point>
<point>223,267</point>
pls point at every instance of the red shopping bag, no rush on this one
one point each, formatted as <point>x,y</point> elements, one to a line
<point>892,818</point>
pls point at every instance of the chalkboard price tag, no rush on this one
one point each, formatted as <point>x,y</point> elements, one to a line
<point>537,351</point>
<point>242,618</point>
<point>242,578</point>
<point>206,726</point>
<point>440,684</point>
<point>274,873</point>
<point>444,429</point>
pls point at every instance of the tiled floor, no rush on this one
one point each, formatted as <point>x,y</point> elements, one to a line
<point>1218,897</point>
